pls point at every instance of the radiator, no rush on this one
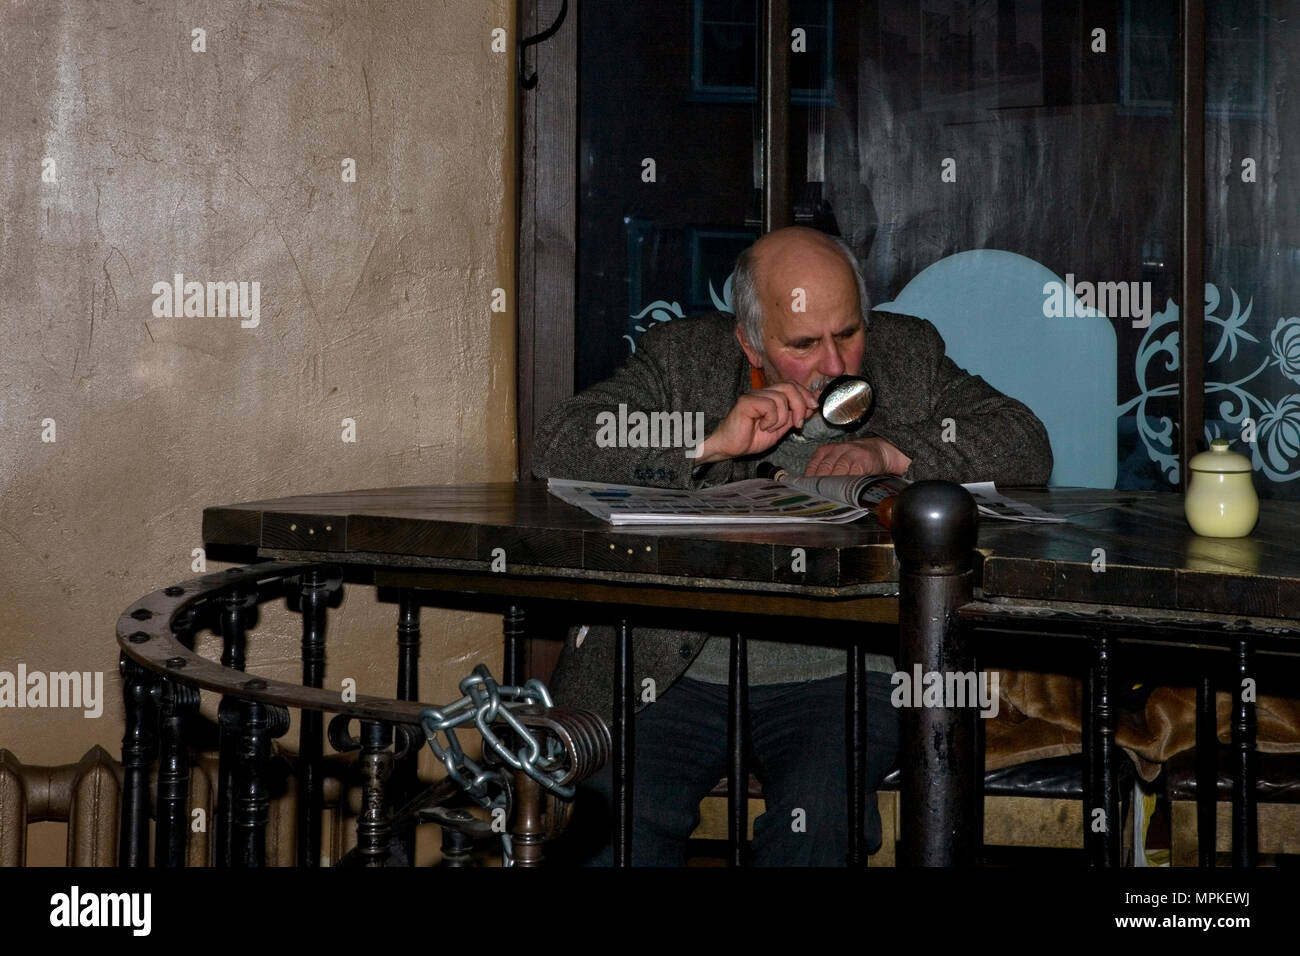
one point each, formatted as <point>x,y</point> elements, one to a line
<point>86,796</point>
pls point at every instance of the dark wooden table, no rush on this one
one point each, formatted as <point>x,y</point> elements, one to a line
<point>516,541</point>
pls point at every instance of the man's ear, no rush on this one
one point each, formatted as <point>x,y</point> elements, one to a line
<point>755,359</point>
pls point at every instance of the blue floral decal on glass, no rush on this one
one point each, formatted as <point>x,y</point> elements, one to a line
<point>662,310</point>
<point>1274,425</point>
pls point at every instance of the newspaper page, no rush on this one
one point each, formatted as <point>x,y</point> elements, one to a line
<point>994,505</point>
<point>756,501</point>
<point>832,499</point>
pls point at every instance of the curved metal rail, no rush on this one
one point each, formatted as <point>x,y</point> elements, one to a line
<point>161,670</point>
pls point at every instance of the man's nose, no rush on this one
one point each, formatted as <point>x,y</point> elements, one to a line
<point>831,363</point>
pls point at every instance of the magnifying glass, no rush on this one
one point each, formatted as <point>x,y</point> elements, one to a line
<point>846,401</point>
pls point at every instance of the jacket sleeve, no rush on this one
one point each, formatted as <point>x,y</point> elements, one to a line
<point>568,442</point>
<point>968,430</point>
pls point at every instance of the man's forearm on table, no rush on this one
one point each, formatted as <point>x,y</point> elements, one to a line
<point>567,448</point>
<point>1010,447</point>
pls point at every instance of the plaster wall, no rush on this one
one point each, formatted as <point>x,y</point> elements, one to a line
<point>128,156</point>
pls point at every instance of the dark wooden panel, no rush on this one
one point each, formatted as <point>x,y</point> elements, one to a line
<point>1191,317</point>
<point>548,221</point>
<point>1288,597</point>
<point>715,559</point>
<point>1152,558</point>
<point>620,552</point>
<point>866,609</point>
<point>774,88</point>
<point>304,531</point>
<point>546,548</point>
<point>1016,578</point>
<point>1120,584</point>
<point>395,535</point>
<point>1248,595</point>
<point>233,526</point>
<point>821,566</point>
<point>868,564</point>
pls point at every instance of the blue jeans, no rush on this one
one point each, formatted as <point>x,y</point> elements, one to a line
<point>797,753</point>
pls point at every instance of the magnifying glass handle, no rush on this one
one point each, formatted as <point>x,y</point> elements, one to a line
<point>885,511</point>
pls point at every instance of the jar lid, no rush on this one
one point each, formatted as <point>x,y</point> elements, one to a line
<point>1218,460</point>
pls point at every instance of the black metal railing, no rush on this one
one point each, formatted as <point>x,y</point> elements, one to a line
<point>934,533</point>
<point>162,676</point>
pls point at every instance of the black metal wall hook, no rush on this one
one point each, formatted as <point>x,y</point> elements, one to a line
<point>530,81</point>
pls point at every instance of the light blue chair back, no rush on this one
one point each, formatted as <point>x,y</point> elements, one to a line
<point>988,305</point>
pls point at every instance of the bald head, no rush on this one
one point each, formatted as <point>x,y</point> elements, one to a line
<point>770,271</point>
<point>799,248</point>
<point>800,308</point>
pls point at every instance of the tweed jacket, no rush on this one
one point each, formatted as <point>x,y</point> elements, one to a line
<point>696,365</point>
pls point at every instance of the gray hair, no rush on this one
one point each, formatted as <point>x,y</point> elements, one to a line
<point>744,293</point>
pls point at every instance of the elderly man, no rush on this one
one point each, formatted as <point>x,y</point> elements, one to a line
<point>802,319</point>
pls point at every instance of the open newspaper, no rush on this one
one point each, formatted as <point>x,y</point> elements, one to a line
<point>784,500</point>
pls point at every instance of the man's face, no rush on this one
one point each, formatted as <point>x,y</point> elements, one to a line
<point>812,327</point>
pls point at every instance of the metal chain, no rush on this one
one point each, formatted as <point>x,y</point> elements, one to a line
<point>485,701</point>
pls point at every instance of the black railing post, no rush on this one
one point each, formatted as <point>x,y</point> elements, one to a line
<point>316,591</point>
<point>259,724</point>
<point>1102,827</point>
<point>233,641</point>
<point>376,762</point>
<point>528,834</point>
<point>175,703</point>
<point>405,779</point>
<point>1207,773</point>
<point>855,739</point>
<point>935,528</point>
<point>139,746</point>
<point>624,749</point>
<point>738,753</point>
<point>1245,825</point>
<point>512,627</point>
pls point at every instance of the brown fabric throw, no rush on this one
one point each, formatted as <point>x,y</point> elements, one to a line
<point>1038,717</point>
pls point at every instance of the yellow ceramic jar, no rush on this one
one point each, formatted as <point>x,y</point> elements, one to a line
<point>1221,501</point>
